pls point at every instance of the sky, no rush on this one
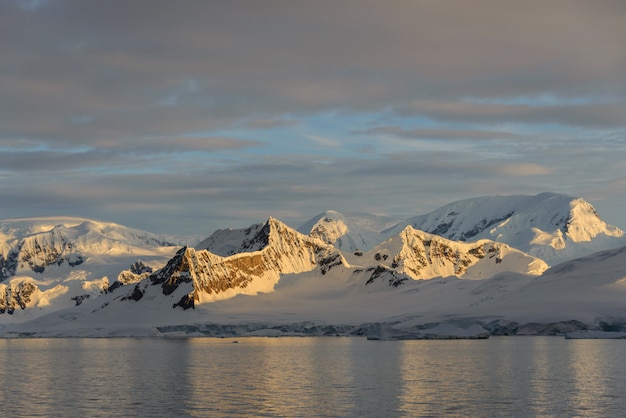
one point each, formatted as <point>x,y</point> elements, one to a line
<point>182,117</point>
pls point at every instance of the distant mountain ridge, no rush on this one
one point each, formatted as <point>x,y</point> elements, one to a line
<point>36,243</point>
<point>57,264</point>
<point>551,226</point>
<point>53,262</point>
<point>272,250</point>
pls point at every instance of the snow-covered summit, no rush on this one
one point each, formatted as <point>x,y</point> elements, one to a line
<point>347,231</point>
<point>272,251</point>
<point>36,243</point>
<point>48,263</point>
<point>552,226</point>
<point>417,255</point>
<point>89,234</point>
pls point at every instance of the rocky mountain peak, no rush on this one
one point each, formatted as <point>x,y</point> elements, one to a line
<point>274,250</point>
<point>416,255</point>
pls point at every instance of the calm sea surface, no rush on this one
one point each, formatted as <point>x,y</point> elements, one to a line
<point>313,376</point>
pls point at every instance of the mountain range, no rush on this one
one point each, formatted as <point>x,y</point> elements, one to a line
<point>480,264</point>
<point>50,263</point>
<point>551,226</point>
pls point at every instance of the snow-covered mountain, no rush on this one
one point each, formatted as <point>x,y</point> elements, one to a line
<point>37,243</point>
<point>582,294</point>
<point>274,255</point>
<point>53,262</point>
<point>417,255</point>
<point>551,226</point>
<point>349,232</point>
<point>590,289</point>
<point>274,250</point>
<point>460,266</point>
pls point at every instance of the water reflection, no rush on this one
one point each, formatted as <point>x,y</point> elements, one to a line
<point>547,374</point>
<point>597,374</point>
<point>430,376</point>
<point>95,377</point>
<point>291,377</point>
<point>514,376</point>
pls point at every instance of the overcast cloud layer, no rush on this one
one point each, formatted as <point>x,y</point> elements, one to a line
<point>187,116</point>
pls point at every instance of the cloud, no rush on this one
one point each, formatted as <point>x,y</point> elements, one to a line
<point>324,142</point>
<point>586,115</point>
<point>438,133</point>
<point>269,123</point>
<point>186,144</point>
<point>215,63</point>
<point>295,187</point>
<point>169,116</point>
<point>148,154</point>
<point>521,169</point>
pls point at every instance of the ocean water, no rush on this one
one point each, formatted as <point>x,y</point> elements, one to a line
<point>312,376</point>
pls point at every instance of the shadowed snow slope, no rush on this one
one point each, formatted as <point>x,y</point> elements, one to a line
<point>589,289</point>
<point>229,241</point>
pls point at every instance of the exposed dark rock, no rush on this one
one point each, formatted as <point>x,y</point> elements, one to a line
<point>116,284</point>
<point>384,273</point>
<point>172,266</point>
<point>138,267</point>
<point>79,299</point>
<point>186,302</point>
<point>75,259</point>
<point>333,260</point>
<point>136,294</point>
<point>8,266</point>
<point>260,240</point>
<point>442,228</point>
<point>16,295</point>
<point>484,224</point>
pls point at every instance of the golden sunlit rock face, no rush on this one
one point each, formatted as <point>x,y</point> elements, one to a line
<point>418,255</point>
<point>279,250</point>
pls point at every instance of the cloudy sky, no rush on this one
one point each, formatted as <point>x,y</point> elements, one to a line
<point>187,116</point>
